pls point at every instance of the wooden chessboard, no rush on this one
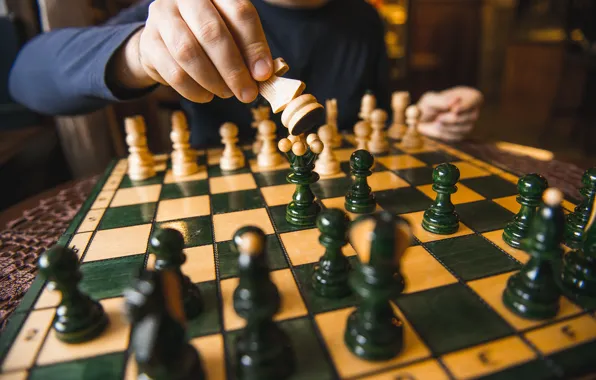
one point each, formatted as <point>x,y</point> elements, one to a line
<point>456,324</point>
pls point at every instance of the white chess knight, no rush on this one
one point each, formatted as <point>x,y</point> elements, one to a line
<point>184,159</point>
<point>378,139</point>
<point>268,156</point>
<point>327,163</point>
<point>140,160</point>
<point>399,103</point>
<point>232,157</point>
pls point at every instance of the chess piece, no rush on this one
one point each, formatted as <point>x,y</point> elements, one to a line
<point>399,102</point>
<point>362,132</point>
<point>378,139</point>
<point>331,110</point>
<point>301,112</point>
<point>232,157</point>
<point>140,161</point>
<point>412,139</point>
<point>78,317</point>
<point>143,131</point>
<point>259,114</point>
<point>263,350</point>
<point>327,164</point>
<point>330,276</point>
<point>530,189</point>
<point>579,267</point>
<point>184,159</point>
<point>374,332</point>
<point>268,157</point>
<point>167,245</point>
<point>154,308</point>
<point>367,106</point>
<point>441,218</point>
<point>532,292</point>
<point>302,210</point>
<point>577,220</point>
<point>359,198</point>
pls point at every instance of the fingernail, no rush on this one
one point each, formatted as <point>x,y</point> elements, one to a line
<point>248,94</point>
<point>261,69</point>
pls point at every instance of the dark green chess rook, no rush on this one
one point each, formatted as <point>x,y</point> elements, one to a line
<point>168,246</point>
<point>78,317</point>
<point>330,276</point>
<point>359,198</point>
<point>263,351</point>
<point>579,267</point>
<point>302,210</point>
<point>374,331</point>
<point>577,220</point>
<point>533,292</point>
<point>154,308</point>
<point>441,217</point>
<point>530,189</point>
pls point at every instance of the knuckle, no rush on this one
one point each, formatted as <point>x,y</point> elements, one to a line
<point>236,74</point>
<point>177,77</point>
<point>255,50</point>
<point>211,32</point>
<point>185,51</point>
<point>243,10</point>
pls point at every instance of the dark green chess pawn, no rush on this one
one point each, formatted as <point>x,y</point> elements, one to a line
<point>579,266</point>
<point>78,317</point>
<point>168,246</point>
<point>359,198</point>
<point>330,277</point>
<point>532,292</point>
<point>302,210</point>
<point>154,308</point>
<point>577,220</point>
<point>530,189</point>
<point>441,217</point>
<point>263,351</point>
<point>374,331</point>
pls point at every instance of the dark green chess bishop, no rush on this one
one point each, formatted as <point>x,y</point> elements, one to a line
<point>359,198</point>
<point>374,331</point>
<point>576,221</point>
<point>441,217</point>
<point>533,292</point>
<point>78,317</point>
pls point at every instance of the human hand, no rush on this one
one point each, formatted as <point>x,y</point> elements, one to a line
<point>200,48</point>
<point>449,115</point>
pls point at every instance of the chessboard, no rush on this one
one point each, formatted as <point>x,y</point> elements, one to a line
<point>456,325</point>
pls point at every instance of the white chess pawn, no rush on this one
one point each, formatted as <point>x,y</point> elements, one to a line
<point>412,138</point>
<point>327,164</point>
<point>378,139</point>
<point>268,156</point>
<point>362,133</point>
<point>331,110</point>
<point>368,104</point>
<point>184,159</point>
<point>143,131</point>
<point>140,161</point>
<point>232,157</point>
<point>258,114</point>
<point>399,103</point>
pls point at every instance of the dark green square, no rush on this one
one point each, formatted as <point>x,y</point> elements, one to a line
<point>435,157</point>
<point>108,278</point>
<point>452,317</point>
<point>215,171</point>
<point>184,189</point>
<point>484,215</point>
<point>109,366</point>
<point>331,188</point>
<point>315,303</point>
<point>272,178</point>
<point>403,200</point>
<point>311,361</point>
<point>228,257</point>
<point>535,370</point>
<point>155,180</point>
<point>577,361</point>
<point>417,176</point>
<point>196,231</point>
<point>125,216</point>
<point>237,201</point>
<point>472,257</point>
<point>491,186</point>
<point>208,321</point>
<point>278,214</point>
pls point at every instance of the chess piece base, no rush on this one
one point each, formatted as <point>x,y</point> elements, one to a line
<point>269,161</point>
<point>329,168</point>
<point>271,360</point>
<point>81,325</point>
<point>412,142</point>
<point>184,169</point>
<point>514,234</point>
<point>440,223</point>
<point>396,131</point>
<point>337,140</point>
<point>578,273</point>
<point>330,279</point>
<point>231,163</point>
<point>574,231</point>
<point>377,148</point>
<point>530,300</point>
<point>188,367</point>
<point>384,341</point>
<point>302,216</point>
<point>140,173</point>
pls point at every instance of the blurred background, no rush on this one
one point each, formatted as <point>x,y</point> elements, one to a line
<point>534,61</point>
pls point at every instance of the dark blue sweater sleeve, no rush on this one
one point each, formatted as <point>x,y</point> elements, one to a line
<point>63,72</point>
